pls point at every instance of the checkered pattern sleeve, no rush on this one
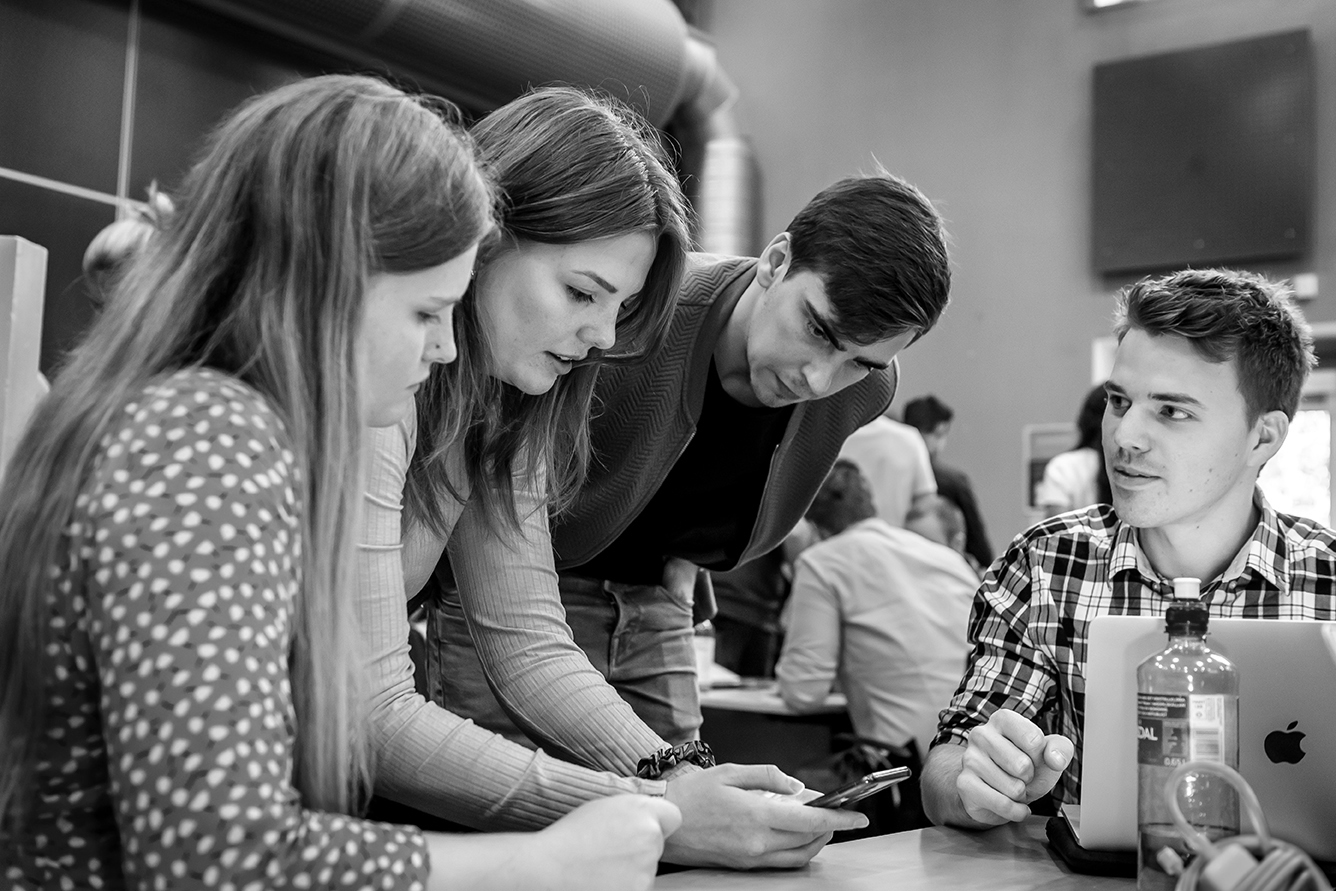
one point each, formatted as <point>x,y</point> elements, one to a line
<point>1005,669</point>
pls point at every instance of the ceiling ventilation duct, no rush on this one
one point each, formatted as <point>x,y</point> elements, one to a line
<point>727,196</point>
<point>483,53</point>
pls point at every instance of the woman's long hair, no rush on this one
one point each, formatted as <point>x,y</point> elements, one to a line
<point>570,167</point>
<point>297,198</point>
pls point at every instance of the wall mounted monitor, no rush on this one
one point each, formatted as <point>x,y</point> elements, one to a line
<point>1204,156</point>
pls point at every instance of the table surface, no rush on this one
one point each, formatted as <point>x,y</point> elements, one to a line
<point>1015,857</point>
<point>764,700</point>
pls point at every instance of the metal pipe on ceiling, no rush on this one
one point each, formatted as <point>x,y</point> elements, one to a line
<point>482,53</point>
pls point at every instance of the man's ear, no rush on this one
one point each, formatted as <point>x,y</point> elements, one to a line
<point>1271,429</point>
<point>774,260</point>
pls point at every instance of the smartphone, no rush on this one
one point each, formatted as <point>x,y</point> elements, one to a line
<point>861,788</point>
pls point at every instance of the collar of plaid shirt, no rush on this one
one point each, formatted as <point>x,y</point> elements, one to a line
<point>1264,555</point>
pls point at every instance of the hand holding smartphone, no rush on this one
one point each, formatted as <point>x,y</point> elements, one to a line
<point>861,788</point>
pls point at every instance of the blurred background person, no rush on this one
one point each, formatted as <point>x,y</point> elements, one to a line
<point>746,625</point>
<point>1078,478</point>
<point>118,243</point>
<point>895,463</point>
<point>750,599</point>
<point>111,250</point>
<point>882,612</point>
<point>932,418</point>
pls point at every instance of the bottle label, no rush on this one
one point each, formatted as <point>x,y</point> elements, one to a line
<point>1173,729</point>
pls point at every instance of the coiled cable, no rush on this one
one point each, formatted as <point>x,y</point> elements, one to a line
<point>1244,862</point>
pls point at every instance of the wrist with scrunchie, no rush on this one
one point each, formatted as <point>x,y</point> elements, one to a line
<point>664,760</point>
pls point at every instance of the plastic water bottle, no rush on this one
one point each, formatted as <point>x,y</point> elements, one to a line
<point>1187,710</point>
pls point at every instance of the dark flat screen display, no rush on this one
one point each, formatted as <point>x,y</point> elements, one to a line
<point>1204,156</point>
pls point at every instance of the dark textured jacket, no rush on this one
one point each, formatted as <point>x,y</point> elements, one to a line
<point>645,415</point>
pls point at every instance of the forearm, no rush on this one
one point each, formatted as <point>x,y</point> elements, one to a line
<point>802,686</point>
<point>941,799</point>
<point>609,845</point>
<point>440,763</point>
<point>435,760</point>
<point>493,862</point>
<point>803,698</point>
<point>508,588</point>
<point>428,757</point>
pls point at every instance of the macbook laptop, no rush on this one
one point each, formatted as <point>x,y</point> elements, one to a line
<point>1287,726</point>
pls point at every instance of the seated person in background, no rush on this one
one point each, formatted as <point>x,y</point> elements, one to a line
<point>750,599</point>
<point>895,462</point>
<point>1078,478</point>
<point>116,244</point>
<point>1206,378</point>
<point>932,418</point>
<point>113,247</point>
<point>880,609</point>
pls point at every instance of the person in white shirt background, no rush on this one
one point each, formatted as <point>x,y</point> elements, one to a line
<point>881,611</point>
<point>1077,478</point>
<point>895,462</point>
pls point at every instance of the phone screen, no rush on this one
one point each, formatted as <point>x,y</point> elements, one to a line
<point>862,788</point>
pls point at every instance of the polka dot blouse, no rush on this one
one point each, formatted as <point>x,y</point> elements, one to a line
<point>166,756</point>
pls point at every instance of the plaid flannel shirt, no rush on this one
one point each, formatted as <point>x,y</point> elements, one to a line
<point>1029,623</point>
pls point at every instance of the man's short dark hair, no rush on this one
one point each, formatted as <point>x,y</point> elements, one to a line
<point>1227,314</point>
<point>843,499</point>
<point>926,413</point>
<point>880,249</point>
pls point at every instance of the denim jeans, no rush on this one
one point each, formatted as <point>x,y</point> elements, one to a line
<point>639,637</point>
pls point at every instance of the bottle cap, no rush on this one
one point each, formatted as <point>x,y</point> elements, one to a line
<point>1186,618</point>
<point>1187,588</point>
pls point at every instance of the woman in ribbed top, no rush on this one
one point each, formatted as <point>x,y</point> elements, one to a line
<point>585,272</point>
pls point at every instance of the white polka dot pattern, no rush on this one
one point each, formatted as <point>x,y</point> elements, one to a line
<point>167,751</point>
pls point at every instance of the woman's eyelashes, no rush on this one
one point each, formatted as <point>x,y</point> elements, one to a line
<point>579,296</point>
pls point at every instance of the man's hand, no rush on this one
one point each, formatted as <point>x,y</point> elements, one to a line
<point>1007,764</point>
<point>725,822</point>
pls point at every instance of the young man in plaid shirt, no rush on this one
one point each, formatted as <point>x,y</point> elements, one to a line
<point>1208,373</point>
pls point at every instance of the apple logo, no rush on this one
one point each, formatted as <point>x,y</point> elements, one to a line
<point>1283,745</point>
